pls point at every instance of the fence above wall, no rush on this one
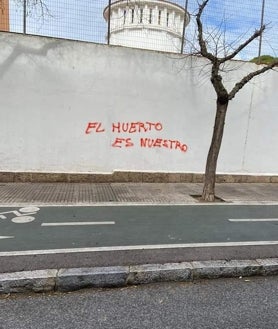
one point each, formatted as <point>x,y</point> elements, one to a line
<point>149,24</point>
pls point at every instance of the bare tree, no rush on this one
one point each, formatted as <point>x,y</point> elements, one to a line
<point>224,96</point>
<point>37,6</point>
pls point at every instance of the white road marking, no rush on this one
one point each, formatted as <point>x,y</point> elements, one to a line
<point>253,219</point>
<point>23,219</point>
<point>2,215</point>
<point>17,213</point>
<point>139,247</point>
<point>6,237</point>
<point>77,223</point>
<point>30,210</point>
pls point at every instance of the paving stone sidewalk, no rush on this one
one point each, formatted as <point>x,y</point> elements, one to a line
<point>149,193</point>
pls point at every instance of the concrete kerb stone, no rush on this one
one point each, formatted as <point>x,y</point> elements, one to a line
<point>141,274</point>
<point>225,269</point>
<point>96,277</point>
<point>269,266</point>
<point>119,276</point>
<point>36,281</point>
<point>129,176</point>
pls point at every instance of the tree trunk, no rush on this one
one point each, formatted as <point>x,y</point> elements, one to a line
<point>210,174</point>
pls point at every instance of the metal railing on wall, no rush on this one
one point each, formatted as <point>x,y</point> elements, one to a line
<point>84,20</point>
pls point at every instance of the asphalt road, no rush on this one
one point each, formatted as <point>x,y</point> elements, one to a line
<point>216,304</point>
<point>120,235</point>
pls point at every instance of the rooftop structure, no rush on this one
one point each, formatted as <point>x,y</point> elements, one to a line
<point>148,24</point>
<point>4,15</point>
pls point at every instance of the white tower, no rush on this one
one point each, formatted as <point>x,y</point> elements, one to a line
<point>147,24</point>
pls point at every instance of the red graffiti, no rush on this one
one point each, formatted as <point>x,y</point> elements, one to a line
<point>135,127</point>
<point>96,126</point>
<point>122,142</point>
<point>159,142</point>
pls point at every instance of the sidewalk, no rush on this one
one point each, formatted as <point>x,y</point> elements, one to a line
<point>18,194</point>
<point>100,267</point>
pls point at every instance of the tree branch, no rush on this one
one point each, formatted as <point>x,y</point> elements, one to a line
<point>255,35</point>
<point>249,77</point>
<point>202,43</point>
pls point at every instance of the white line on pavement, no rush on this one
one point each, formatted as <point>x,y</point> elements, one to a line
<point>139,247</point>
<point>253,219</point>
<point>6,237</point>
<point>77,223</point>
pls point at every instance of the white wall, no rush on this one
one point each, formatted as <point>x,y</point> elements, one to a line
<point>51,89</point>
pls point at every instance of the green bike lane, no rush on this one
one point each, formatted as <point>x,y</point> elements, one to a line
<point>118,235</point>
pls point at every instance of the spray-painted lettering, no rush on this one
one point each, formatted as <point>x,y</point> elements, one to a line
<point>122,142</point>
<point>166,143</point>
<point>135,127</point>
<point>138,127</point>
<point>94,127</point>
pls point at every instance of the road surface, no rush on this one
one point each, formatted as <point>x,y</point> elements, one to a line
<point>134,232</point>
<point>217,304</point>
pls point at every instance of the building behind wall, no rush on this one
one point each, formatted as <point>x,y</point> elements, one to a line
<point>4,15</point>
<point>147,24</point>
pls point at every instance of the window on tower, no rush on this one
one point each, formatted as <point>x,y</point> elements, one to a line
<point>141,15</point>
<point>167,19</point>
<point>132,15</point>
<point>159,17</point>
<point>124,16</point>
<point>151,16</point>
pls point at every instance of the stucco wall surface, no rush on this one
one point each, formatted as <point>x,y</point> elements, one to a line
<point>77,107</point>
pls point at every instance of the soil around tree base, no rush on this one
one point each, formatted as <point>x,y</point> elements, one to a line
<point>198,197</point>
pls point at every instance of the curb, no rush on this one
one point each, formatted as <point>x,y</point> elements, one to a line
<point>65,280</point>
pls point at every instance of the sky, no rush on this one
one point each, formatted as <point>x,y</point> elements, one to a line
<point>83,20</point>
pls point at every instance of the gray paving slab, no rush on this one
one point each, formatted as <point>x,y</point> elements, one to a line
<point>248,192</point>
<point>132,193</point>
<point>55,193</point>
<point>156,193</point>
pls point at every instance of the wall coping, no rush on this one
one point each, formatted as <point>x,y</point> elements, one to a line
<point>129,177</point>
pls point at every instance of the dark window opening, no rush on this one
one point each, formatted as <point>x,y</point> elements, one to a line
<point>159,17</point>
<point>141,15</point>
<point>151,14</point>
